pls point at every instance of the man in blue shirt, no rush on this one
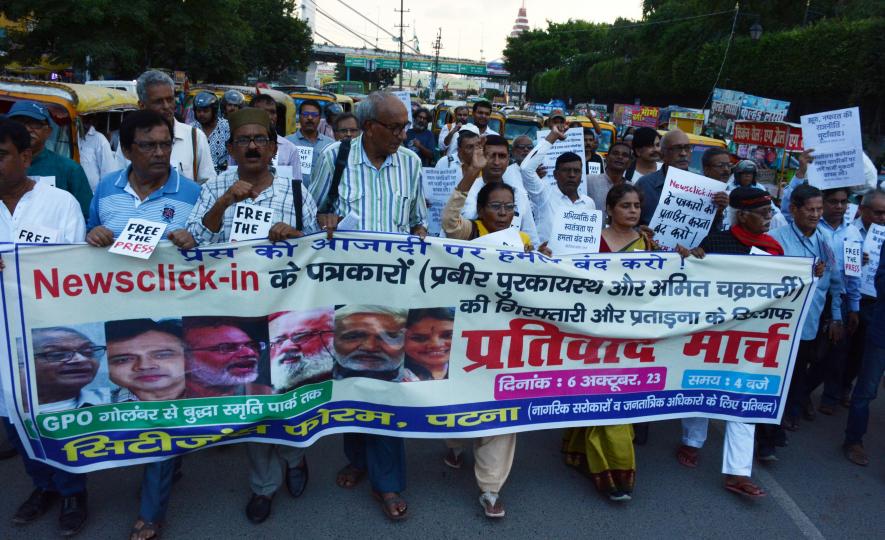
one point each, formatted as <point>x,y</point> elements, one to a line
<point>150,188</point>
<point>308,136</point>
<point>419,139</point>
<point>805,238</point>
<point>871,371</point>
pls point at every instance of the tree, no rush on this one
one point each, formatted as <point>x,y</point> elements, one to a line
<point>216,40</point>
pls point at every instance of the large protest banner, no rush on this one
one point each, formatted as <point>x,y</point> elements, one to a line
<point>838,149</point>
<point>725,108</point>
<point>636,115</point>
<point>384,334</point>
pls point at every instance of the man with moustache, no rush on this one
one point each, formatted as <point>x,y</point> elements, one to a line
<point>146,359</point>
<point>616,162</point>
<point>646,144</point>
<point>66,361</point>
<point>309,112</point>
<point>446,143</point>
<point>300,348</point>
<point>255,181</point>
<point>420,139</point>
<point>550,200</point>
<point>221,356</point>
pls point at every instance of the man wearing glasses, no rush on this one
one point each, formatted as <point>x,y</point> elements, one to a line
<point>308,135</point>
<point>66,361</point>
<point>255,181</point>
<point>222,357</point>
<point>380,189</point>
<point>676,152</point>
<point>149,188</point>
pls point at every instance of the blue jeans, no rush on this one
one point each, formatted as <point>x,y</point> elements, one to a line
<point>46,477</point>
<point>156,486</point>
<point>383,457</point>
<point>868,380</point>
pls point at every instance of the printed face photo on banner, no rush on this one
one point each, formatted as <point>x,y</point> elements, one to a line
<point>192,357</point>
<point>393,344</point>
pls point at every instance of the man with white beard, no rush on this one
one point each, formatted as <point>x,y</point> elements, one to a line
<point>221,357</point>
<point>300,347</point>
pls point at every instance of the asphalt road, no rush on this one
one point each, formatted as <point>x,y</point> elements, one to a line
<point>813,492</point>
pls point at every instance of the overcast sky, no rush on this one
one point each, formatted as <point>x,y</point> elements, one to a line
<point>468,26</point>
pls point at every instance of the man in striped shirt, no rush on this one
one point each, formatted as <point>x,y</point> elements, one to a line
<point>380,188</point>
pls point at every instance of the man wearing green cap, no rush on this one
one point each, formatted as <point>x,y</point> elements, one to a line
<point>46,165</point>
<point>254,181</point>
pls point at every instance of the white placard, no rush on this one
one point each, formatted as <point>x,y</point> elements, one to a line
<point>838,153</point>
<point>351,222</point>
<point>305,155</point>
<point>575,231</point>
<point>404,96</point>
<point>852,251</point>
<point>851,213</point>
<point>44,179</point>
<point>593,168</point>
<point>438,187</point>
<point>139,238</point>
<point>756,251</point>
<point>872,246</point>
<point>574,142</point>
<point>250,222</point>
<point>509,238</point>
<point>35,234</point>
<point>685,211</point>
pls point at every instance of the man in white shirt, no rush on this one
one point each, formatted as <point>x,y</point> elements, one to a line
<point>548,198</point>
<point>38,212</point>
<point>96,156</point>
<point>190,149</point>
<point>482,110</point>
<point>446,144</point>
<point>497,154</point>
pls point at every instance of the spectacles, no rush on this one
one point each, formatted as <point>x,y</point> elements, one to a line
<point>230,348</point>
<point>56,357</point>
<point>679,148</point>
<point>394,129</point>
<point>523,146</point>
<point>146,146</point>
<point>260,141</point>
<point>309,114</point>
<point>499,207</point>
<point>300,339</point>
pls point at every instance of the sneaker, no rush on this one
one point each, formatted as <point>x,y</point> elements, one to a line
<point>619,496</point>
<point>73,514</point>
<point>35,506</point>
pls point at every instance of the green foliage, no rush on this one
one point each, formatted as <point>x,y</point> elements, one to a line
<point>822,53</point>
<point>215,40</point>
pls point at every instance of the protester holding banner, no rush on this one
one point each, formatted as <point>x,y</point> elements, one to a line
<point>149,188</point>
<point>806,238</point>
<point>751,221</point>
<point>255,183</point>
<point>498,169</point>
<point>869,377</point>
<point>146,360</point>
<point>616,162</point>
<point>549,198</point>
<point>828,368</point>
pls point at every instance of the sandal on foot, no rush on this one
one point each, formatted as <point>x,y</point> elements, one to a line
<point>687,456</point>
<point>744,486</point>
<point>349,476</point>
<point>491,505</point>
<point>394,506</point>
<point>144,530</point>
<point>453,459</point>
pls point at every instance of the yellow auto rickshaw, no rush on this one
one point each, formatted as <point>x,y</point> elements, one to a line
<point>67,103</point>
<point>607,131</point>
<point>522,123</point>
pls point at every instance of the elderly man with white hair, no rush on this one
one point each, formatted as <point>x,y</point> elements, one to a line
<point>191,154</point>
